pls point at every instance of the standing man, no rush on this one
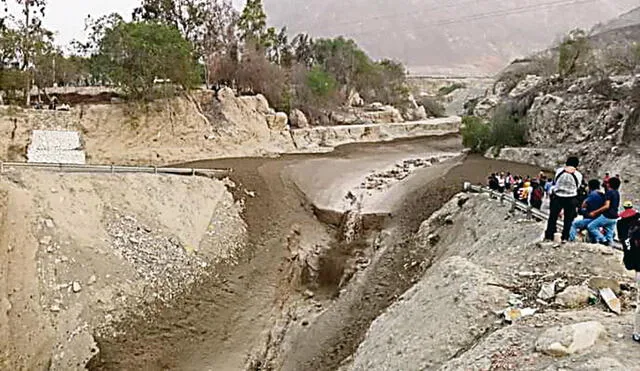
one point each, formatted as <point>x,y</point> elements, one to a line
<point>564,196</point>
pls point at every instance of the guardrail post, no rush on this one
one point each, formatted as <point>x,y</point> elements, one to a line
<point>155,170</point>
<point>112,169</point>
<point>1,167</point>
<point>513,206</point>
<point>193,172</point>
<point>529,212</point>
<point>502,199</point>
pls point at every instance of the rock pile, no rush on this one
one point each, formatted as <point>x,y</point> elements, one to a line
<point>160,259</point>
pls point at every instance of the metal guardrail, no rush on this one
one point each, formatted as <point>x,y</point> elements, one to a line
<point>517,205</point>
<point>114,169</point>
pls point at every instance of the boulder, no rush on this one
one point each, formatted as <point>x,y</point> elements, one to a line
<point>278,122</point>
<point>383,115</point>
<point>298,120</point>
<point>565,340</point>
<point>415,114</point>
<point>226,93</point>
<point>486,106</point>
<point>355,100</point>
<point>528,85</point>
<point>574,296</point>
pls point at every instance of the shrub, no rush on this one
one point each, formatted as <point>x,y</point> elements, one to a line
<point>504,129</point>
<point>433,107</point>
<point>475,134</point>
<point>320,82</point>
<point>446,90</point>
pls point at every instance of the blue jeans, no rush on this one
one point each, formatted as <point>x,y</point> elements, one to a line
<point>609,226</point>
<point>578,225</point>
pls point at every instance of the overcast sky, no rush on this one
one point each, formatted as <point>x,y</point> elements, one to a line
<point>67,17</point>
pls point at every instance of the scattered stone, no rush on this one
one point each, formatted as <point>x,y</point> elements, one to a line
<point>548,291</point>
<point>309,294</point>
<point>76,287</point>
<point>611,300</point>
<point>50,249</point>
<point>55,308</point>
<point>92,280</point>
<point>574,296</point>
<point>251,194</point>
<point>433,238</point>
<point>48,223</point>
<point>514,314</point>
<point>46,240</point>
<point>565,340</point>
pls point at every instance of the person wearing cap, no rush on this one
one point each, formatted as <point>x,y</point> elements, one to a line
<point>628,217</point>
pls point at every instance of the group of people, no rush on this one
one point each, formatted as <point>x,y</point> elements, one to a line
<point>528,190</point>
<point>593,209</point>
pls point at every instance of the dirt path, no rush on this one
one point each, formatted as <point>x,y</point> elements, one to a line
<point>224,319</point>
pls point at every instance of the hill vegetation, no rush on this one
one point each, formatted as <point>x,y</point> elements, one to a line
<point>173,45</point>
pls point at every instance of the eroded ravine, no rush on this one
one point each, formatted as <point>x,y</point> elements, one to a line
<point>224,323</point>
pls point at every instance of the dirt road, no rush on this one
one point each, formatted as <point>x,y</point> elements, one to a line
<point>227,318</point>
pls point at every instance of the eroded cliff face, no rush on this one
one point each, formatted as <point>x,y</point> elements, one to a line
<point>200,126</point>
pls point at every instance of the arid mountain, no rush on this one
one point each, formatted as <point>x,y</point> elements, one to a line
<point>631,18</point>
<point>453,37</point>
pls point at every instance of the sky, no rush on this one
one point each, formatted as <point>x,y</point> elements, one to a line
<point>67,17</point>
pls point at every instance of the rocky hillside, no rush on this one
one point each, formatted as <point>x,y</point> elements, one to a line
<point>496,300</point>
<point>461,37</point>
<point>595,117</point>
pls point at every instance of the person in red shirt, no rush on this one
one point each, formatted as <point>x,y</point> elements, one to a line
<point>628,217</point>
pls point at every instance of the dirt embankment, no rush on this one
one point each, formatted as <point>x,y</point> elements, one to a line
<point>203,125</point>
<point>252,316</point>
<point>79,251</point>
<point>486,261</point>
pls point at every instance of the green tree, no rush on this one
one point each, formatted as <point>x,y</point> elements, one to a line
<point>210,26</point>
<point>475,134</point>
<point>320,82</point>
<point>253,22</point>
<point>133,55</point>
<point>30,32</point>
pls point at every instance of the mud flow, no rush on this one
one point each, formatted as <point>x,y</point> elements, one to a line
<point>308,286</point>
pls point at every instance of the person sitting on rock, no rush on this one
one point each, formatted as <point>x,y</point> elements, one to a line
<point>628,218</point>
<point>564,197</point>
<point>606,216</point>
<point>593,202</point>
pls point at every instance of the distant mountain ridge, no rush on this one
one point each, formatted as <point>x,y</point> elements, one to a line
<point>460,37</point>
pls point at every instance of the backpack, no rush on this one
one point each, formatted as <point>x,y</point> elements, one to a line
<point>538,194</point>
<point>632,250</point>
<point>564,172</point>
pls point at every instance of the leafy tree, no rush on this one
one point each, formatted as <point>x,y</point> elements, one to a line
<point>253,22</point>
<point>320,82</point>
<point>475,134</point>
<point>302,49</point>
<point>133,55</point>
<point>29,28</point>
<point>210,25</point>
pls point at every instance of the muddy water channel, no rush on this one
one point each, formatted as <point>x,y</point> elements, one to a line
<point>330,248</point>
